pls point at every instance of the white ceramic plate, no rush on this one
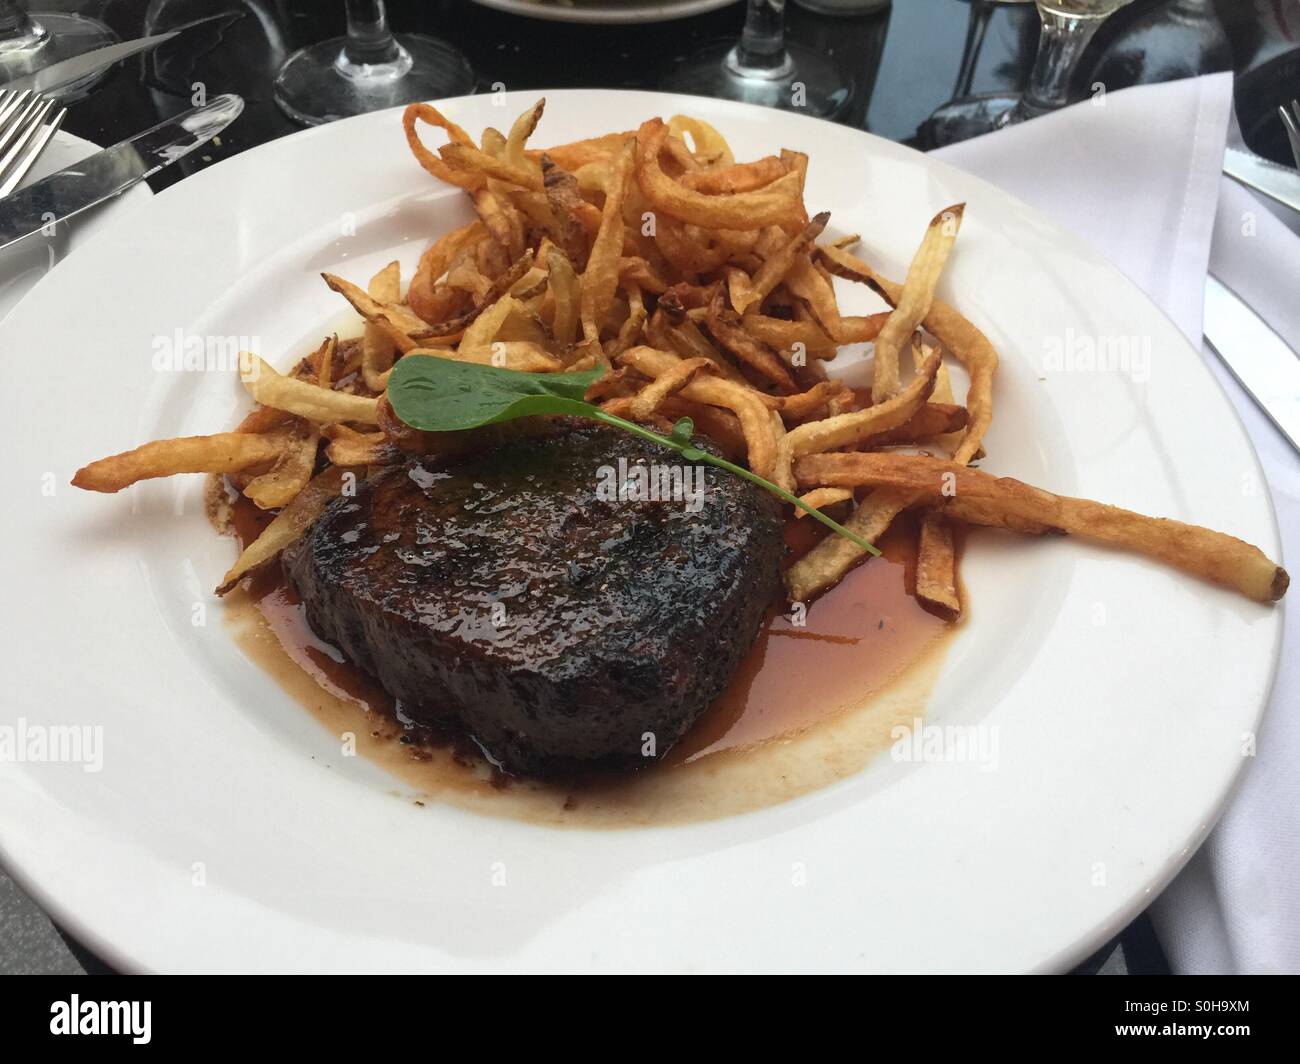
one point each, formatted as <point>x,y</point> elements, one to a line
<point>1118,692</point>
<point>25,263</point>
<point>607,12</point>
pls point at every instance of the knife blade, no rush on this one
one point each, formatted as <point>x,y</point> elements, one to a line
<point>1278,183</point>
<point>109,172</point>
<point>68,71</point>
<point>1260,359</point>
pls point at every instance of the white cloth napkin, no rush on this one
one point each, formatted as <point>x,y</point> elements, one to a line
<point>1137,174</point>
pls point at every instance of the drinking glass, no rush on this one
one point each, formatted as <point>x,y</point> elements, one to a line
<point>1068,26</point>
<point>764,68</point>
<point>29,42</point>
<point>368,70</point>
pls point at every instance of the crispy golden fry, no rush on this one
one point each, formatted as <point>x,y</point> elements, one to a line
<point>569,211</point>
<point>291,471</point>
<point>781,260</point>
<point>710,146</point>
<point>298,397</point>
<point>684,254</point>
<point>802,405</point>
<point>523,355</point>
<point>225,452</point>
<point>724,327</point>
<point>785,335</point>
<point>718,424</point>
<point>822,497</point>
<point>914,300</point>
<point>936,567</point>
<point>806,282</point>
<point>931,420</point>
<point>824,565</point>
<point>740,291</point>
<point>405,328</point>
<point>288,525</point>
<point>347,447</point>
<point>567,288</point>
<point>739,177</point>
<point>981,499</point>
<point>755,417</point>
<point>649,399</point>
<point>522,129</point>
<point>970,346</point>
<point>772,205</point>
<point>263,419</point>
<point>478,337</point>
<point>467,159</point>
<point>491,210</point>
<point>630,332</point>
<point>636,269</point>
<point>849,430</point>
<point>686,340</point>
<point>581,153</point>
<point>600,279</point>
<point>427,113</point>
<point>377,347</point>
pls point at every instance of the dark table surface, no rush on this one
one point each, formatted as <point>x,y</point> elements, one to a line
<point>902,63</point>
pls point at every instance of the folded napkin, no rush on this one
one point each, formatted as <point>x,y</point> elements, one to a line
<point>1137,174</point>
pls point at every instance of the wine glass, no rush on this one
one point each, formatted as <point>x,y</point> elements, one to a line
<point>1068,26</point>
<point>764,68</point>
<point>29,42</point>
<point>368,70</point>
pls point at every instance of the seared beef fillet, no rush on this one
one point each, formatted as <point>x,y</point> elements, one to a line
<point>614,619</point>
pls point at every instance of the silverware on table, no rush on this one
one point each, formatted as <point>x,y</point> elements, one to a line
<point>1291,120</point>
<point>69,72</point>
<point>27,122</point>
<point>1260,359</point>
<point>109,172</point>
<point>1279,183</point>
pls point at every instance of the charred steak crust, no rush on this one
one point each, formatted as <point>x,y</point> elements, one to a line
<point>559,627</point>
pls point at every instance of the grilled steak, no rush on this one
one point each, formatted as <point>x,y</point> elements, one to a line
<point>515,592</point>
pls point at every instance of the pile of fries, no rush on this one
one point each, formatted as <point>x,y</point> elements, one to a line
<point>705,289</point>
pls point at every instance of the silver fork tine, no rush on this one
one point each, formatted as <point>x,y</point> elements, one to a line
<point>21,124</point>
<point>28,128</point>
<point>1291,120</point>
<point>9,103</point>
<point>30,154</point>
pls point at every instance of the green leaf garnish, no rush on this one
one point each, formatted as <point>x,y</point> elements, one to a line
<point>441,395</point>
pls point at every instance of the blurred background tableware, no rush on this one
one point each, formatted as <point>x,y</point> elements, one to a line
<point>607,12</point>
<point>30,40</point>
<point>368,69</point>
<point>763,67</point>
<point>844,7</point>
<point>1067,27</point>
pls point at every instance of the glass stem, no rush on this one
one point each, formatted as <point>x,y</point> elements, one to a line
<point>369,42</point>
<point>1063,40</point>
<point>761,52</point>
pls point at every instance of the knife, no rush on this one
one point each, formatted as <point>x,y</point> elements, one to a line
<point>109,172</point>
<point>1260,359</point>
<point>1278,183</point>
<point>67,72</point>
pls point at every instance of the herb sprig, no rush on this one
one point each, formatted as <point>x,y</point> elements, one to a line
<point>442,395</point>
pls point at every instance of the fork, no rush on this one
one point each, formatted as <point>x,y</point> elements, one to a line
<point>27,122</point>
<point>1291,119</point>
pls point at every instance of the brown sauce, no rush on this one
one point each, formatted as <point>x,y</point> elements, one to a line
<point>811,703</point>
